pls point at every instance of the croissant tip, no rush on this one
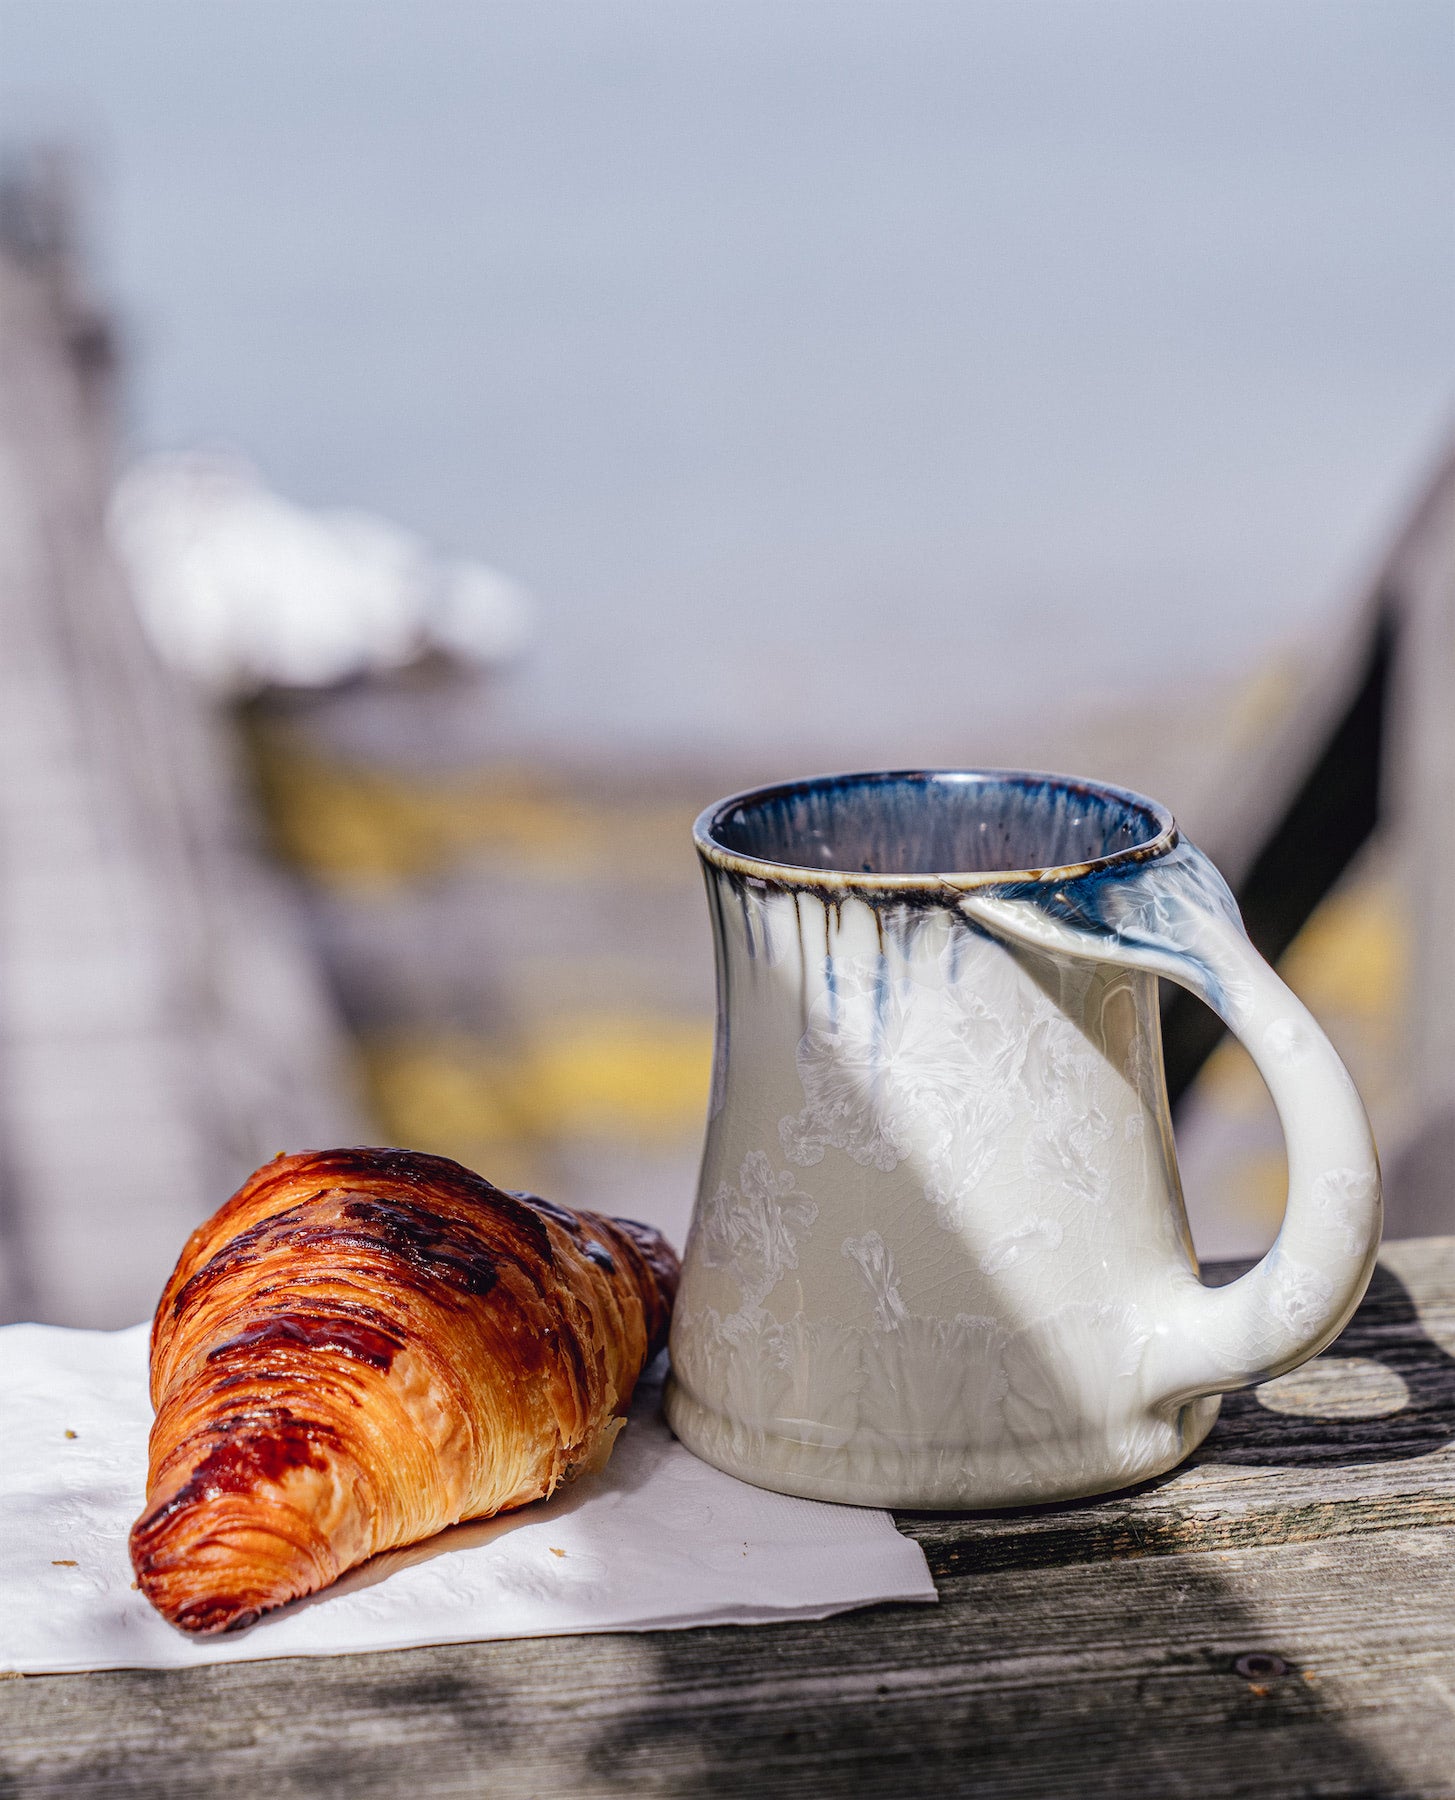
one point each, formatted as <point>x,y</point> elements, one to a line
<point>206,1614</point>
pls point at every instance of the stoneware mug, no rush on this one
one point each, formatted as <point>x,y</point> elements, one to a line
<point>939,1256</point>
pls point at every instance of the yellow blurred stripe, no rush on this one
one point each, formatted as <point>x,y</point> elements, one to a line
<point>627,1079</point>
<point>1353,956</point>
<point>354,824</point>
<point>1351,965</point>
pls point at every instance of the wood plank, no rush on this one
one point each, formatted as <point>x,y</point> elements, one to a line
<point>1075,1650</point>
<point>1109,1677</point>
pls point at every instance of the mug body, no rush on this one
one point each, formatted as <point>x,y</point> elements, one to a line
<point>939,1216</point>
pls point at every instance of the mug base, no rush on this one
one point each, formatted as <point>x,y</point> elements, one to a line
<point>869,1470</point>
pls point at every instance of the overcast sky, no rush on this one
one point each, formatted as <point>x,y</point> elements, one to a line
<point>808,361</point>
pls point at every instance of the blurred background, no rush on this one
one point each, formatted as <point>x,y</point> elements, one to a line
<point>444,446</point>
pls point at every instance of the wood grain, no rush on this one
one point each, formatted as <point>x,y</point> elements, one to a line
<point>1076,1650</point>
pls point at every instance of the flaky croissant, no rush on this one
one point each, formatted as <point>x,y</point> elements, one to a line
<point>362,1347</point>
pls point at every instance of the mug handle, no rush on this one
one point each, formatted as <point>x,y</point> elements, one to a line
<point>1174,915</point>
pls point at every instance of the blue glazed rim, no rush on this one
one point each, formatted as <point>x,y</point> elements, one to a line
<point>1162,836</point>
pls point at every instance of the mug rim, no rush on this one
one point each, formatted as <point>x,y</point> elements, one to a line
<point>847,881</point>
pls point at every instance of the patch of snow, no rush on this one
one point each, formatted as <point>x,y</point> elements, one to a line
<point>241,589</point>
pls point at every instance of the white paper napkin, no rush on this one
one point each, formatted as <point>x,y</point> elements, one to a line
<point>657,1540</point>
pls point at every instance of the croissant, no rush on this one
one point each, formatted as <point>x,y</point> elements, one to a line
<point>362,1347</point>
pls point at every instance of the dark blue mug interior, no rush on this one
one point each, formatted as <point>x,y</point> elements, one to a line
<point>926,822</point>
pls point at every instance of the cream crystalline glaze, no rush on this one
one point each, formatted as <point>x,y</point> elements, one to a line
<point>939,1256</point>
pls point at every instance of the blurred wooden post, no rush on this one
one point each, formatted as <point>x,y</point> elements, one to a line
<point>1367,757</point>
<point>1420,804</point>
<point>162,1028</point>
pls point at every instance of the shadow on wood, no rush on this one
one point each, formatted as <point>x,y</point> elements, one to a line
<point>1385,1330</point>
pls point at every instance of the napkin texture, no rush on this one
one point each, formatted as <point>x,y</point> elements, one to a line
<point>657,1540</point>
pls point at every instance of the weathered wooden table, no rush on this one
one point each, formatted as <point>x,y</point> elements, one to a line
<point>1277,1618</point>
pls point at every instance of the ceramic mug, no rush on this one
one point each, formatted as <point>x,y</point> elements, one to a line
<point>939,1256</point>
